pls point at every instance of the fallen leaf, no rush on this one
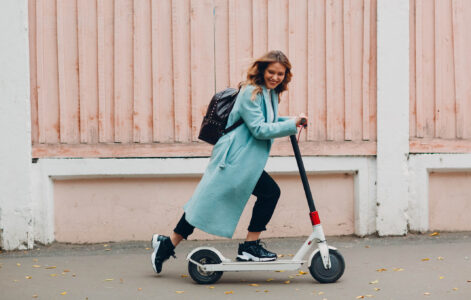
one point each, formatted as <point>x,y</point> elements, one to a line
<point>109,279</point>
<point>425,259</point>
<point>441,277</point>
<point>139,289</point>
<point>468,280</point>
<point>360,297</point>
<point>266,291</point>
<point>398,269</point>
<point>381,270</point>
<point>105,245</point>
<point>440,258</point>
<point>455,289</point>
<point>302,273</point>
<point>73,275</point>
<point>229,292</point>
<point>374,282</point>
<point>35,296</point>
<point>280,271</point>
<point>28,277</point>
<point>281,255</point>
<point>427,294</point>
<point>18,264</point>
<point>434,234</point>
<point>377,289</point>
<point>53,275</point>
<point>121,280</point>
<point>184,276</point>
<point>51,267</point>
<point>270,279</point>
<point>64,293</point>
<point>210,287</point>
<point>179,292</point>
<point>65,271</point>
<point>254,284</point>
<point>36,266</point>
<point>287,282</point>
<point>291,255</point>
<point>147,248</point>
<point>321,293</point>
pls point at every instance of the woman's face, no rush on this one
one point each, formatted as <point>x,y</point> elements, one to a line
<point>274,75</point>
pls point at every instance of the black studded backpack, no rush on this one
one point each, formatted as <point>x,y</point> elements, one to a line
<point>215,121</point>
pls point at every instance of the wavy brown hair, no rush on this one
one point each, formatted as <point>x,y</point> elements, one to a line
<point>255,74</point>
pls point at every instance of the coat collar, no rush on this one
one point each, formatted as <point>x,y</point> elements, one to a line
<point>273,97</point>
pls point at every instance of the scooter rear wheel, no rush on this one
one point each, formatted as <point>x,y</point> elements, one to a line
<point>204,257</point>
<point>323,275</point>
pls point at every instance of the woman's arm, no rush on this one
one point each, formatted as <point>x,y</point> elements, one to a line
<point>251,113</point>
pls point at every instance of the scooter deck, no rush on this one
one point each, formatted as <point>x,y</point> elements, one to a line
<point>276,265</point>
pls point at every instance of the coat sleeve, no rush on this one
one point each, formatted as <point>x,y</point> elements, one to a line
<point>252,114</point>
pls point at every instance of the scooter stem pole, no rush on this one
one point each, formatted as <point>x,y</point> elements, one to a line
<point>302,172</point>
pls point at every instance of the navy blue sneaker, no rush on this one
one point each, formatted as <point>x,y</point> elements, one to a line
<point>253,251</point>
<point>163,249</point>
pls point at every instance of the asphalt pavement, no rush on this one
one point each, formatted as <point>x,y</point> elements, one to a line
<point>416,266</point>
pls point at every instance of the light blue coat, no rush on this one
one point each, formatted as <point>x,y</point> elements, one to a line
<point>236,163</point>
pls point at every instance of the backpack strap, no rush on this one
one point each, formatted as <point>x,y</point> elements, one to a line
<point>233,126</point>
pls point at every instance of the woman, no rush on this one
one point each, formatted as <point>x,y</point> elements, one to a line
<point>235,170</point>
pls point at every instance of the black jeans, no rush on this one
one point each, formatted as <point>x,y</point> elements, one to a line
<point>267,192</point>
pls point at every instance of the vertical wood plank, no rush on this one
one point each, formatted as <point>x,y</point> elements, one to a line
<point>278,38</point>
<point>202,61</point>
<point>221,47</point>
<point>88,70</point>
<point>412,71</point>
<point>240,39</point>
<point>123,68</point>
<point>48,83</point>
<point>298,38</point>
<point>68,71</point>
<point>181,69</point>
<point>260,27</point>
<point>142,115</point>
<point>316,70</point>
<point>353,55</point>
<point>373,71</point>
<point>335,71</point>
<point>33,70</point>
<point>105,15</point>
<point>462,62</point>
<point>445,83</point>
<point>366,70</point>
<point>348,61</point>
<point>425,67</point>
<point>162,71</point>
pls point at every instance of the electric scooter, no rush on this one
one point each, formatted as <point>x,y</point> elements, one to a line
<point>206,264</point>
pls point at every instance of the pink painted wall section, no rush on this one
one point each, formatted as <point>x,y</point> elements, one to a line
<point>107,74</point>
<point>440,93</point>
<point>101,210</point>
<point>450,201</point>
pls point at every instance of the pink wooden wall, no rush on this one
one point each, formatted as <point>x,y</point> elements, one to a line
<point>133,78</point>
<point>440,85</point>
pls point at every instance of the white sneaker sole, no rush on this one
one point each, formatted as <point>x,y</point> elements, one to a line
<point>249,257</point>
<point>155,244</point>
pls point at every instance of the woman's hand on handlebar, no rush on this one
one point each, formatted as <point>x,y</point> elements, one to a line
<point>301,120</point>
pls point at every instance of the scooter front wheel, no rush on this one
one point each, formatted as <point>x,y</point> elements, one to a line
<point>197,273</point>
<point>323,275</point>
